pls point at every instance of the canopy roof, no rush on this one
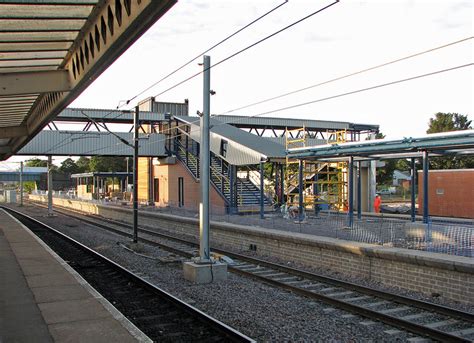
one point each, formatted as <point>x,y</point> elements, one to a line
<point>50,51</point>
<point>456,142</point>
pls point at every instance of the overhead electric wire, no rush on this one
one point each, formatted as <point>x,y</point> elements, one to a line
<point>348,75</point>
<point>205,51</point>
<point>247,48</point>
<point>319,100</point>
<point>362,90</point>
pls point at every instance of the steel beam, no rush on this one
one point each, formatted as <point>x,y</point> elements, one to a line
<point>13,131</point>
<point>112,27</point>
<point>425,187</point>
<point>135,174</point>
<point>412,190</point>
<point>351,191</point>
<point>35,82</point>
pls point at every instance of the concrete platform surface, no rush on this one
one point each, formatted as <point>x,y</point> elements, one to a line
<point>42,299</point>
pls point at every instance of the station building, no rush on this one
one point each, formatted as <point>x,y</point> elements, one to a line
<point>246,154</point>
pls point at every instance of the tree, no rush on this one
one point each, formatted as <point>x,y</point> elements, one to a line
<point>107,164</point>
<point>83,164</point>
<point>444,122</point>
<point>36,162</point>
<point>69,166</point>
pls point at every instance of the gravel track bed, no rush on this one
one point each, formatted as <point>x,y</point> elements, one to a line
<point>434,298</point>
<point>256,309</point>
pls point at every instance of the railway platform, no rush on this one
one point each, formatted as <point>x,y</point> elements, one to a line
<point>42,299</point>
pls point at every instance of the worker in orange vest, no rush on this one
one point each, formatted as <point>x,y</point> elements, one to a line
<point>377,203</point>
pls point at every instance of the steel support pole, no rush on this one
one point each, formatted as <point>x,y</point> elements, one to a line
<point>136,125</point>
<point>232,201</point>
<point>205,157</point>
<point>301,190</point>
<point>21,183</point>
<point>351,191</point>
<point>425,187</point>
<point>282,184</point>
<point>262,204</point>
<point>50,186</point>
<point>412,190</point>
<point>359,191</point>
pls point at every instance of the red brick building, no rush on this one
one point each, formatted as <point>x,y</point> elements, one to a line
<point>451,192</point>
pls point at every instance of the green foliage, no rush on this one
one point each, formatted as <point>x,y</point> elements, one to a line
<point>29,186</point>
<point>444,122</point>
<point>36,162</point>
<point>107,164</point>
<point>83,164</point>
<point>69,166</point>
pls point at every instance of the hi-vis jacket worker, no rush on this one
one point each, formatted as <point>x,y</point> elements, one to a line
<point>377,203</point>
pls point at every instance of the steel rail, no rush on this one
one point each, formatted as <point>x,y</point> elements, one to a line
<point>372,314</point>
<point>229,333</point>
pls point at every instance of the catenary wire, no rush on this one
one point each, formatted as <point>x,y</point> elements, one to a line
<point>205,51</point>
<point>355,73</point>
<point>247,48</point>
<point>325,98</point>
<point>347,75</point>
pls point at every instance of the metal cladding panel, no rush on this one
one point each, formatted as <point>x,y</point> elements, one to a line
<point>243,148</point>
<point>309,141</point>
<point>15,176</point>
<point>89,143</point>
<point>174,109</point>
<point>241,121</point>
<point>438,143</point>
<point>76,114</point>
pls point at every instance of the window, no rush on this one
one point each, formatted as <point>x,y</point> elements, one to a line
<point>156,190</point>
<point>223,150</point>
<point>180,191</point>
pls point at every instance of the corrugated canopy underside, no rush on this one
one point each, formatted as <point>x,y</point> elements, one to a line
<point>51,50</point>
<point>36,36</point>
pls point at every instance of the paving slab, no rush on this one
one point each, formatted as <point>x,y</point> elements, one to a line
<point>59,293</point>
<point>72,310</point>
<point>90,331</point>
<point>42,299</point>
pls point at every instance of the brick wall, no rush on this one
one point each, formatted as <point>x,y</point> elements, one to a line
<point>450,276</point>
<point>450,193</point>
<point>168,175</point>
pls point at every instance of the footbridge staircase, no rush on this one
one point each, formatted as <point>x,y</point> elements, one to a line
<point>241,194</point>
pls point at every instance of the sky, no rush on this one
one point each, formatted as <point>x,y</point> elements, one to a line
<point>345,38</point>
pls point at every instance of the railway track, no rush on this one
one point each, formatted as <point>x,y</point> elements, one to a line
<point>418,317</point>
<point>161,316</point>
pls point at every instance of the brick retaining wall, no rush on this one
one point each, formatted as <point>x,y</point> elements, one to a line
<point>426,272</point>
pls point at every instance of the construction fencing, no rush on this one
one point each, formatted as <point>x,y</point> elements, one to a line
<point>441,236</point>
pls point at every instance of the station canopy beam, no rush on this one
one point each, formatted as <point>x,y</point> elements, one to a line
<point>51,51</point>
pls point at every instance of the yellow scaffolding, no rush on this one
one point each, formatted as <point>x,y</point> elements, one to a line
<point>324,182</point>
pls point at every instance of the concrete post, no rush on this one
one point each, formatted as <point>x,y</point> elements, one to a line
<point>50,186</point>
<point>204,252</point>
<point>21,183</point>
<point>136,125</point>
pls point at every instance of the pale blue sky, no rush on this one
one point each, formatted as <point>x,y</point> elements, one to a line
<point>349,36</point>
